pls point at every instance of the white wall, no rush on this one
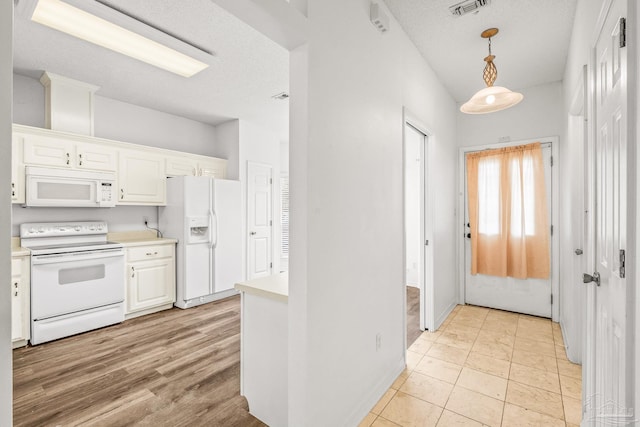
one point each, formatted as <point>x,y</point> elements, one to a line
<point>346,275</point>
<point>429,103</point>
<point>228,146</point>
<point>259,145</point>
<point>6,88</point>
<point>572,288</point>
<point>139,125</point>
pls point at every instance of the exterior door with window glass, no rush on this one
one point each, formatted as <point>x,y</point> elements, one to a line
<point>528,296</point>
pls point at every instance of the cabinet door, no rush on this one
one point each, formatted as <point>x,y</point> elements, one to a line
<point>17,171</point>
<point>214,168</point>
<point>181,166</point>
<point>96,157</point>
<point>150,284</point>
<point>47,151</point>
<point>16,309</point>
<point>141,178</point>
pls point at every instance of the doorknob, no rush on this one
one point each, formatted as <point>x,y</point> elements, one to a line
<point>587,278</point>
<point>253,233</point>
<point>578,251</point>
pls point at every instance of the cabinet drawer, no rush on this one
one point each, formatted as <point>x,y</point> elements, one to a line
<point>141,253</point>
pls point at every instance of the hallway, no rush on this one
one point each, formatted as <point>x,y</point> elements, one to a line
<point>485,367</point>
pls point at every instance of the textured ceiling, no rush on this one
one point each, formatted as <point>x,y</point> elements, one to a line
<point>245,72</point>
<point>531,48</point>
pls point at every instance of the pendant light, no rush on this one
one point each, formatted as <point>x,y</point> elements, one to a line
<point>492,98</point>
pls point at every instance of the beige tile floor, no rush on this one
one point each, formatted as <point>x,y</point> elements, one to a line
<point>484,367</point>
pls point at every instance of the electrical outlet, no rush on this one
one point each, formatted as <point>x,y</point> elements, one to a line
<point>378,341</point>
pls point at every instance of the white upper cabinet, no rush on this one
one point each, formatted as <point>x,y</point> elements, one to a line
<point>194,165</point>
<point>47,151</point>
<point>215,168</point>
<point>141,170</point>
<point>141,178</point>
<point>64,153</point>
<point>96,157</point>
<point>182,166</point>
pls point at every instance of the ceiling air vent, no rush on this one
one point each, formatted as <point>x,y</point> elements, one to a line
<point>468,6</point>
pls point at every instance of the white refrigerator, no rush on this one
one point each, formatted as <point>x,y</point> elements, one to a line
<point>205,215</point>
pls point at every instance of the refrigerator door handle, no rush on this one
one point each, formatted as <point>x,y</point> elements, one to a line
<point>215,243</point>
<point>210,229</point>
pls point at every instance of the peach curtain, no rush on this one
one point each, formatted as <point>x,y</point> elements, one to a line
<point>508,212</point>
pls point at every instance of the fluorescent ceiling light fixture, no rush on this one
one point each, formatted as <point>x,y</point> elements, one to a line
<point>78,23</point>
<point>491,98</point>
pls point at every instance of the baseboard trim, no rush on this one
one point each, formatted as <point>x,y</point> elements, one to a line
<point>567,348</point>
<point>445,314</point>
<point>375,393</point>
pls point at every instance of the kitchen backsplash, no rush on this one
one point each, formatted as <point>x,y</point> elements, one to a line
<point>120,218</point>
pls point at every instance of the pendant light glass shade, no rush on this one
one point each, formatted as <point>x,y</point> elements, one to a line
<point>492,98</point>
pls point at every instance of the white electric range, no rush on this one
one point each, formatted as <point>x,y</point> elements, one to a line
<point>77,278</point>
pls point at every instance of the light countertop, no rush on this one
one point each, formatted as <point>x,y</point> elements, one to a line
<point>138,238</point>
<point>275,287</point>
<point>16,249</point>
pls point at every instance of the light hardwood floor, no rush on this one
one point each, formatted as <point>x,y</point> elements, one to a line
<point>413,315</point>
<point>174,368</point>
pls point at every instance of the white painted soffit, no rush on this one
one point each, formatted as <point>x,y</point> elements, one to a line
<point>282,21</point>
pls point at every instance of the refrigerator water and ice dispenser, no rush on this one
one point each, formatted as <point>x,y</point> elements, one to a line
<point>198,229</point>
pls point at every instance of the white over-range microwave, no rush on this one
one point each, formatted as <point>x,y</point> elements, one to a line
<point>69,188</point>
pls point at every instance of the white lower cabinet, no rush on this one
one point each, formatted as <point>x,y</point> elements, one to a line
<point>20,300</point>
<point>151,280</point>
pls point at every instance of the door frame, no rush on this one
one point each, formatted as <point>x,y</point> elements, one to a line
<point>555,240</point>
<point>251,164</point>
<point>427,290</point>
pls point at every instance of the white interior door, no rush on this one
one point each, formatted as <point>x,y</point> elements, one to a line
<point>608,363</point>
<point>530,296</point>
<point>260,221</point>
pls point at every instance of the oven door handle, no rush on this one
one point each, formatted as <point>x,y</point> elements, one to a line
<point>62,258</point>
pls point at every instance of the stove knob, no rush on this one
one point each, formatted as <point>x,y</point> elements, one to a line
<point>41,230</point>
<point>77,228</point>
<point>99,227</point>
<point>32,230</point>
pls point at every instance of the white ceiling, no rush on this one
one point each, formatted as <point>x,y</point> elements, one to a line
<point>248,68</point>
<point>530,49</point>
<point>246,71</point>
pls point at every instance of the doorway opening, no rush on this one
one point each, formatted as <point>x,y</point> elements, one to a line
<point>417,229</point>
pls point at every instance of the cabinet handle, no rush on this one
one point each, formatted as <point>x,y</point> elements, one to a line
<point>15,285</point>
<point>68,158</point>
<point>80,156</point>
<point>16,294</point>
<point>133,271</point>
<point>121,193</point>
<point>152,253</point>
